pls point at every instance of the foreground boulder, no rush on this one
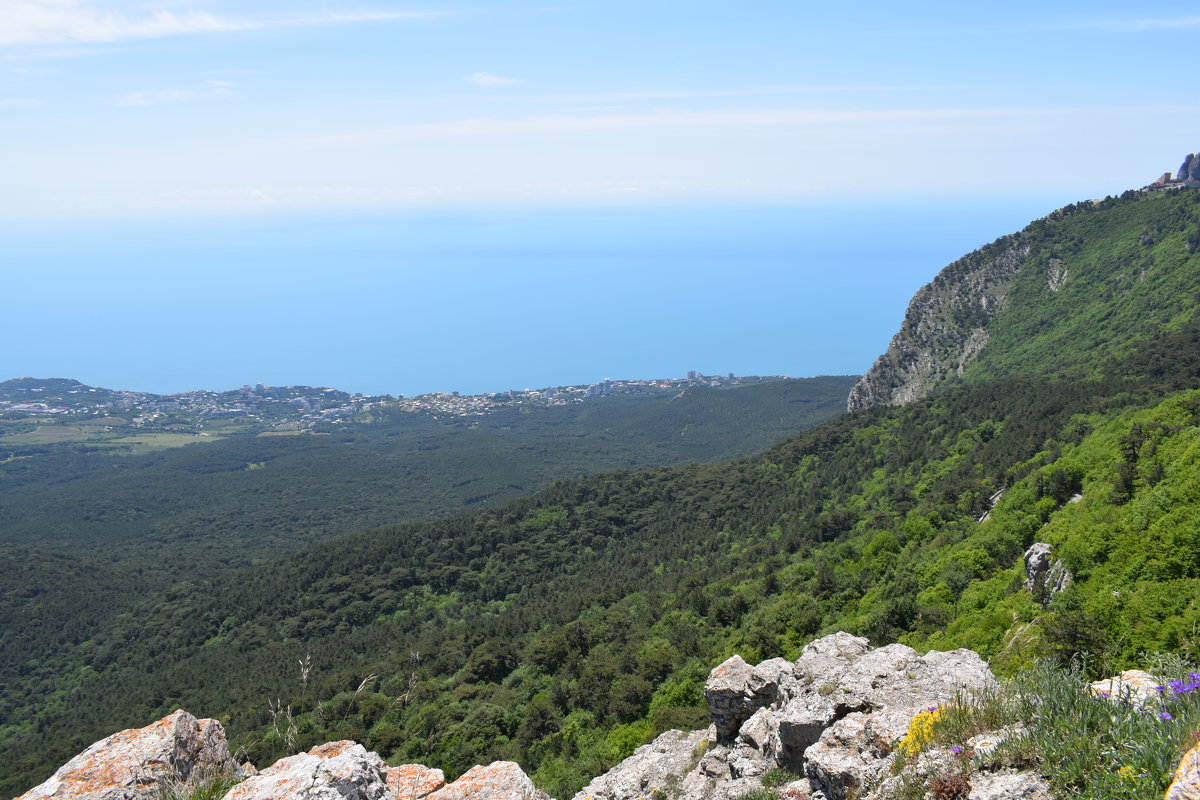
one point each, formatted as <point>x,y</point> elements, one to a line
<point>414,781</point>
<point>334,771</point>
<point>136,764</point>
<point>1186,784</point>
<point>735,690</point>
<point>655,767</point>
<point>500,780</point>
<point>178,751</point>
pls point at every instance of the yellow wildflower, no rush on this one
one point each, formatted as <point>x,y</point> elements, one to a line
<point>920,732</point>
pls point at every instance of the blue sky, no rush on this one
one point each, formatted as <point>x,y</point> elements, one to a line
<point>198,106</point>
<point>167,164</point>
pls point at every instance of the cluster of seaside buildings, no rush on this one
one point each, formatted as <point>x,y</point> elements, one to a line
<point>290,408</point>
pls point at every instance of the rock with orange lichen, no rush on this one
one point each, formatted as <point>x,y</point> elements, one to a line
<point>1186,785</point>
<point>500,780</point>
<point>414,781</point>
<point>131,764</point>
<point>334,771</point>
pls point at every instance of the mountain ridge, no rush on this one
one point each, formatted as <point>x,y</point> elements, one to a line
<point>1053,295</point>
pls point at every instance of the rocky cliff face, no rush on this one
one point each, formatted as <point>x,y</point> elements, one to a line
<point>1189,170</point>
<point>945,327</point>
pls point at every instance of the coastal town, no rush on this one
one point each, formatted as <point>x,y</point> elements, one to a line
<point>28,404</point>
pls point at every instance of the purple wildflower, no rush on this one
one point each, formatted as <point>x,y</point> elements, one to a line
<point>931,709</point>
<point>956,749</point>
<point>1166,715</point>
<point>1194,676</point>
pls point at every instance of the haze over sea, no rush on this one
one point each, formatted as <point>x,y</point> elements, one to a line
<point>394,196</point>
<point>477,301</point>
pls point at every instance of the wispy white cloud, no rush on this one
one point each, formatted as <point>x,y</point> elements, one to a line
<point>485,127</point>
<point>731,155</point>
<point>19,102</point>
<point>171,96</point>
<point>488,79</point>
<point>41,22</point>
<point>693,94</point>
<point>1138,25</point>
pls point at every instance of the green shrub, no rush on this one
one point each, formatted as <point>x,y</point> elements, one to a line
<point>758,794</point>
<point>775,778</point>
<point>203,787</point>
<point>1086,745</point>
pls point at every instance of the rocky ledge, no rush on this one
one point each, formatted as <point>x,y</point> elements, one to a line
<point>828,726</point>
<point>150,763</point>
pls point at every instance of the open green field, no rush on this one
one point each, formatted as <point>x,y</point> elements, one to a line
<point>97,435</point>
<point>48,434</point>
<point>146,442</point>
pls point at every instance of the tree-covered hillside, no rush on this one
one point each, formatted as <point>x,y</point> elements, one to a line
<point>563,629</point>
<point>1088,280</point>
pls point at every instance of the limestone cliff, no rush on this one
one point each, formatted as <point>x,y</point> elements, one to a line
<point>945,327</point>
<point>1189,170</point>
<point>1070,290</point>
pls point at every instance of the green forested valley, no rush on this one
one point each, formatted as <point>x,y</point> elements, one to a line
<point>193,511</point>
<point>86,532</point>
<point>564,628</point>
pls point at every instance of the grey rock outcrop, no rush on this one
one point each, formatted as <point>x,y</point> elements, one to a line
<point>890,686</point>
<point>334,771</point>
<point>945,327</point>
<point>1189,170</point>
<point>1134,686</point>
<point>1044,577</point>
<point>135,764</point>
<point>735,690</point>
<point>655,767</point>
<point>834,716</point>
<point>1009,785</point>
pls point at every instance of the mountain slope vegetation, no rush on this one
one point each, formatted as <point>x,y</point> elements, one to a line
<point>1089,280</point>
<point>197,510</point>
<point>565,628</point>
<point>85,532</point>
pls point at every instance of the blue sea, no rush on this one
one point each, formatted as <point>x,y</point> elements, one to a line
<point>479,300</point>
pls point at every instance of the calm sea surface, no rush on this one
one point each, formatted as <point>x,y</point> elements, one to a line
<point>479,301</point>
